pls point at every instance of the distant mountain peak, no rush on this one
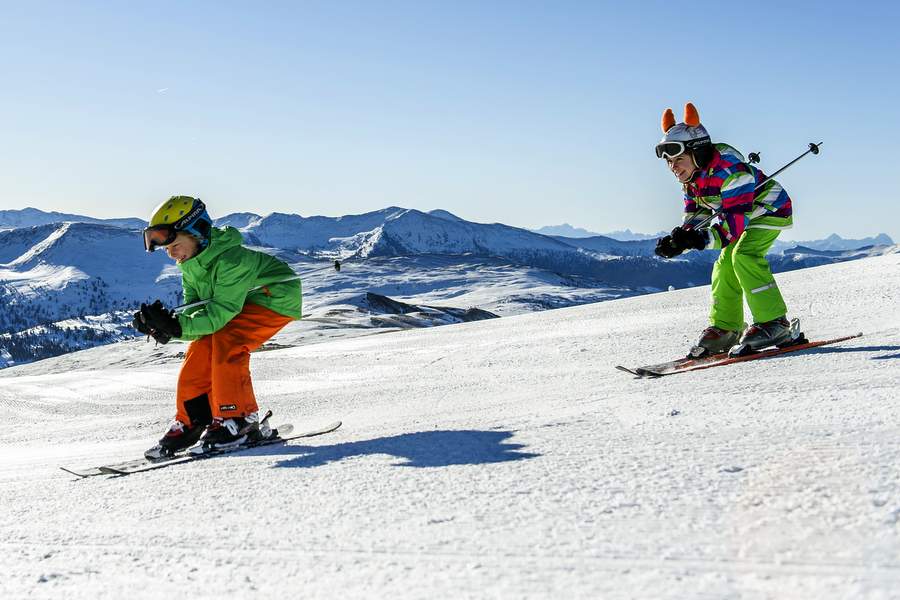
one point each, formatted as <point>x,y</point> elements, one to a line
<point>565,230</point>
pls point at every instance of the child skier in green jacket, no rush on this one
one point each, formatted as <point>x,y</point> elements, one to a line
<point>215,400</point>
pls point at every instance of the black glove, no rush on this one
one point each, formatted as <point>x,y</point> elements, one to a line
<point>666,248</point>
<point>154,319</point>
<point>689,238</point>
<point>138,323</point>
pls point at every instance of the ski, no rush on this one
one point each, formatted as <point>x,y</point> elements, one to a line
<point>142,464</point>
<point>718,360</point>
<point>137,463</point>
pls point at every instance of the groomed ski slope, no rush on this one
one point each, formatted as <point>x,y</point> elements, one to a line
<point>497,459</point>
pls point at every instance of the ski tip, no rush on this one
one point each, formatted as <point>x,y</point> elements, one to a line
<point>75,473</point>
<point>633,372</point>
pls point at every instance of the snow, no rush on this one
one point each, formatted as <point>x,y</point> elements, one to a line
<point>40,278</point>
<point>501,458</point>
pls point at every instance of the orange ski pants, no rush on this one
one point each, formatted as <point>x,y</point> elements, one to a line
<point>218,364</point>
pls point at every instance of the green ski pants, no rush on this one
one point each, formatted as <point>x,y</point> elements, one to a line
<point>743,271</point>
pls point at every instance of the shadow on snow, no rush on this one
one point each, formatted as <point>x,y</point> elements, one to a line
<point>440,448</point>
<point>839,350</point>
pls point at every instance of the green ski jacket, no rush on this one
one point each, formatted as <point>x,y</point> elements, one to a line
<point>224,273</point>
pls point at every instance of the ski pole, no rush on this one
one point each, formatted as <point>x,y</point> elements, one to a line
<point>814,148</point>
<point>336,266</point>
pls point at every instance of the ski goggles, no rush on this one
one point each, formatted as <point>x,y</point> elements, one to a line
<point>670,150</point>
<point>158,236</point>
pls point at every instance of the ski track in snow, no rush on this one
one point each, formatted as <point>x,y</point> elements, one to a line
<point>497,459</point>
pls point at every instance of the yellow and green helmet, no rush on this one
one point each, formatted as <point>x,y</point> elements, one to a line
<point>178,213</point>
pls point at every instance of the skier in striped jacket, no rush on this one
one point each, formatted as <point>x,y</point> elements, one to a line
<point>726,208</point>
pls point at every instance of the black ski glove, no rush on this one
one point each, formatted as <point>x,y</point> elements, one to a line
<point>155,320</point>
<point>666,247</point>
<point>689,238</point>
<point>139,324</point>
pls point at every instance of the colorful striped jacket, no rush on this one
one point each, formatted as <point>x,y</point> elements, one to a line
<point>728,184</point>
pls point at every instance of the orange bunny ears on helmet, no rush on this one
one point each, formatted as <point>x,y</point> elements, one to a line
<point>691,117</point>
<point>668,120</point>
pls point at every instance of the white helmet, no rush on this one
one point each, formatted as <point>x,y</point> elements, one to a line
<point>680,137</point>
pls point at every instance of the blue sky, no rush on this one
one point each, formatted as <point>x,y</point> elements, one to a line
<point>526,113</point>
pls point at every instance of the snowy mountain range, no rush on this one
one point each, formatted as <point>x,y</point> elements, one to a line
<point>834,242</point>
<point>73,283</point>
<point>566,230</point>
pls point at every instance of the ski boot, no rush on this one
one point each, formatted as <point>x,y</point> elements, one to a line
<point>778,333</point>
<point>714,340</point>
<point>177,438</point>
<point>224,434</point>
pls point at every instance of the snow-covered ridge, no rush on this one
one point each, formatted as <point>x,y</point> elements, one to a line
<point>30,217</point>
<point>98,250</point>
<point>55,278</point>
<point>314,234</point>
<point>395,231</point>
<point>403,232</point>
<point>237,220</point>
